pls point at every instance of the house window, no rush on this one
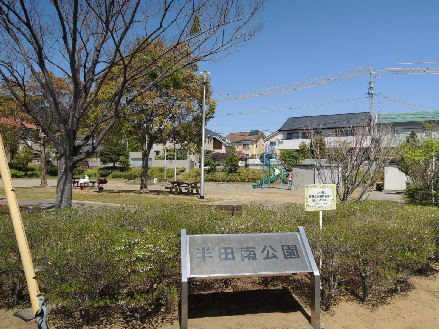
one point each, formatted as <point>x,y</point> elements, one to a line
<point>345,132</point>
<point>273,144</point>
<point>245,144</point>
<point>304,135</point>
<point>294,135</point>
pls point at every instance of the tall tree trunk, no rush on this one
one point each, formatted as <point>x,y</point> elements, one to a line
<point>43,165</point>
<point>65,178</point>
<point>146,150</point>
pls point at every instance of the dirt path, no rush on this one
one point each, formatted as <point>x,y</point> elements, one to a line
<point>416,309</point>
<point>227,193</point>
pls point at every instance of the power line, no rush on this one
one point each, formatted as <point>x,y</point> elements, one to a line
<point>399,102</point>
<point>294,83</point>
<point>410,70</point>
<point>290,108</point>
<point>418,63</point>
<point>312,84</point>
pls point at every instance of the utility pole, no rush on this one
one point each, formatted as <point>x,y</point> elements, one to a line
<point>371,100</point>
<point>371,93</point>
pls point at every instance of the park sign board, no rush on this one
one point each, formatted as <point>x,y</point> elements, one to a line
<point>229,255</point>
<point>320,197</point>
<point>211,256</point>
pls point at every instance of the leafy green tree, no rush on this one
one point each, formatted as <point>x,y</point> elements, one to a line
<point>419,161</point>
<point>22,158</point>
<point>98,43</point>
<point>170,112</point>
<point>114,154</point>
<point>232,161</point>
<point>22,125</point>
<point>290,157</point>
<point>211,165</point>
<point>303,150</point>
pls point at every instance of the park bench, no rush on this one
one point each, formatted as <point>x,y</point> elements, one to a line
<point>233,210</point>
<point>178,187</point>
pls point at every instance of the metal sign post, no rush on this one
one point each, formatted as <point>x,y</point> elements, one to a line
<point>318,198</point>
<point>235,255</point>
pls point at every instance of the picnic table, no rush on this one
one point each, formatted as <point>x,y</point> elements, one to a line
<point>75,182</point>
<point>178,186</point>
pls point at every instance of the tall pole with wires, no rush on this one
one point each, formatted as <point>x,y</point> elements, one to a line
<point>372,114</point>
<point>204,77</point>
<point>371,94</point>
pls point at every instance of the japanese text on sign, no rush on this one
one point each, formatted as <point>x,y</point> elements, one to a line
<point>247,253</point>
<point>237,254</point>
<point>320,197</point>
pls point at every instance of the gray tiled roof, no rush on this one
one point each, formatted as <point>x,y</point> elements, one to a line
<point>222,139</point>
<point>327,121</point>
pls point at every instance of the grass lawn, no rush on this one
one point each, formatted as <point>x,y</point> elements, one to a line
<point>112,196</point>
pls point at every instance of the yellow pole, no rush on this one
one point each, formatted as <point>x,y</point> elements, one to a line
<point>20,233</point>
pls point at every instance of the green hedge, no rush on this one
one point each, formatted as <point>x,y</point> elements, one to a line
<point>421,196</point>
<point>127,259</point>
<point>242,175</point>
<point>134,172</point>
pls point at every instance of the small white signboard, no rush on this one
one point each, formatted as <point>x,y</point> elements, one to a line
<point>320,197</point>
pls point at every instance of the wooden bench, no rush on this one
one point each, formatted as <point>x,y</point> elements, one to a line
<point>178,186</point>
<point>233,210</point>
<point>87,184</point>
<point>75,181</point>
<point>193,187</point>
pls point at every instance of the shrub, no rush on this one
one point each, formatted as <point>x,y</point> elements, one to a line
<point>105,171</point>
<point>78,171</point>
<point>192,175</point>
<point>52,170</point>
<point>22,158</point>
<point>421,195</point>
<point>222,175</point>
<point>128,258</point>
<point>93,173</point>
<point>15,173</point>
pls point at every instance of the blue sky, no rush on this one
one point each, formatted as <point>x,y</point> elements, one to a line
<point>304,40</point>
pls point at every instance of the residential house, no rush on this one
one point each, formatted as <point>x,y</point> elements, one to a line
<point>273,141</point>
<point>216,143</point>
<point>216,146</point>
<point>251,143</point>
<point>406,122</point>
<point>403,124</point>
<point>296,129</point>
<point>23,131</point>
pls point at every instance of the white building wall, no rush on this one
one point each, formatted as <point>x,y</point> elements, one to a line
<point>291,144</point>
<point>394,179</point>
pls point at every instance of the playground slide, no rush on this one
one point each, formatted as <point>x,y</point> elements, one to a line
<point>277,172</point>
<point>271,178</point>
<point>285,169</point>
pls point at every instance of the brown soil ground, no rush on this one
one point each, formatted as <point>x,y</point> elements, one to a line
<point>417,307</point>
